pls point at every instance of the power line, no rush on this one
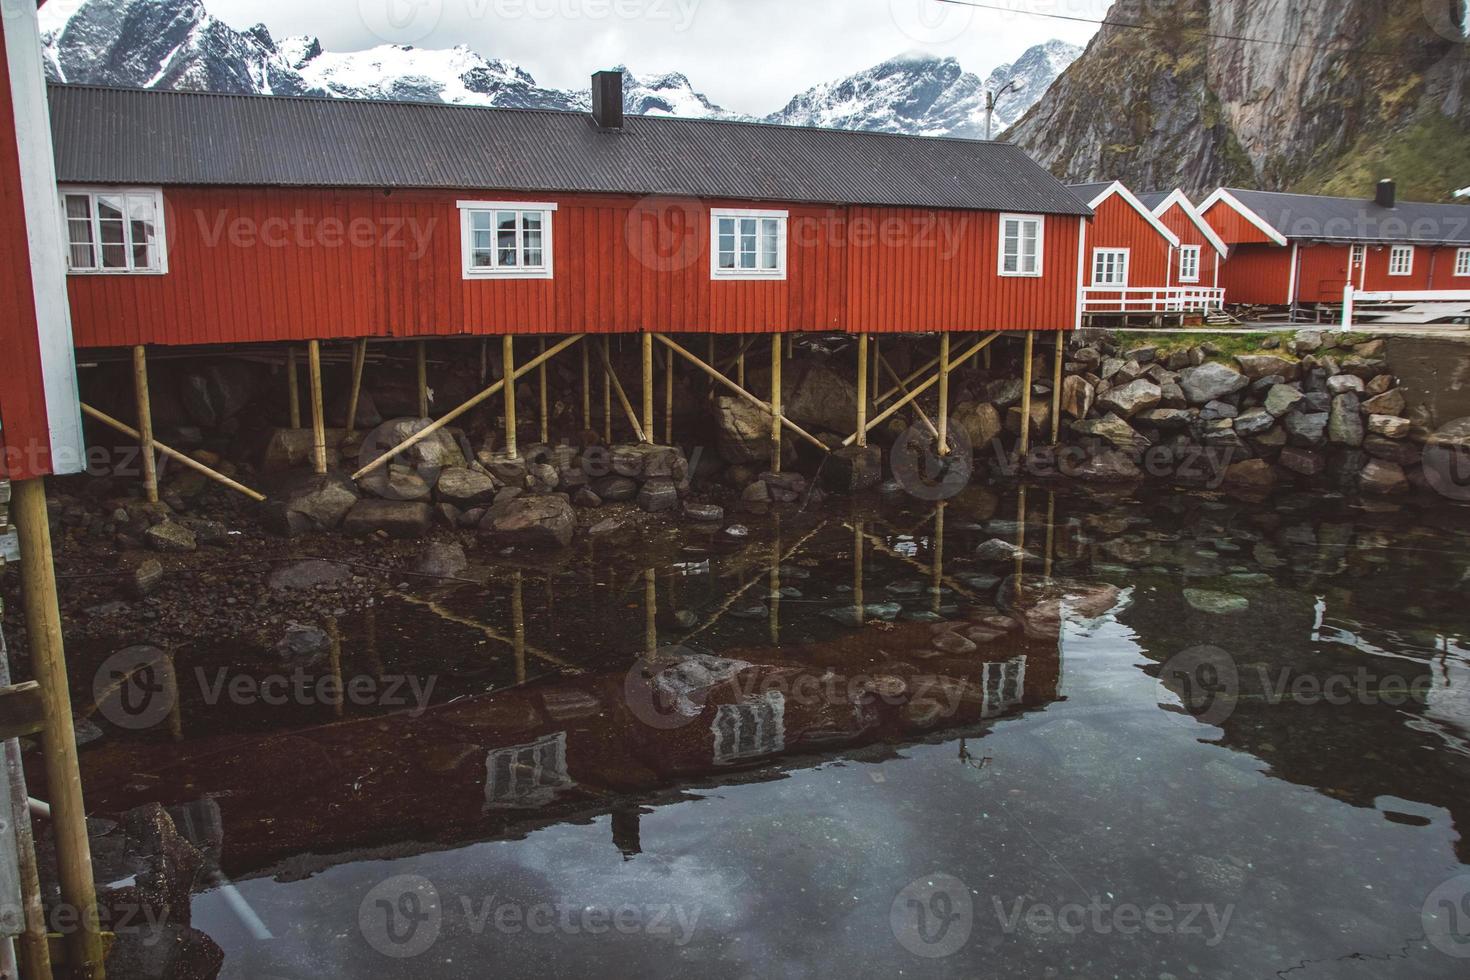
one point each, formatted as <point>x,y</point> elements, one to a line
<point>1135,26</point>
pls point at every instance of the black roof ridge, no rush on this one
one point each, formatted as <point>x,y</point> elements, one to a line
<point>526,110</point>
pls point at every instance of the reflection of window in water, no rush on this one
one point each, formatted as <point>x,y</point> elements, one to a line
<point>756,728</point>
<point>1004,684</point>
<point>527,775</point>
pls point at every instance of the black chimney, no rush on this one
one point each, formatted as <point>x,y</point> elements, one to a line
<point>607,99</point>
<point>1387,195</point>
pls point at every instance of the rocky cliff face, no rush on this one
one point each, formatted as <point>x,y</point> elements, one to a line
<point>1327,95</point>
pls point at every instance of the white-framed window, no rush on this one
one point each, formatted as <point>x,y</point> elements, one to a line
<point>1357,256</point>
<point>1462,262</point>
<point>506,239</point>
<point>1189,263</point>
<point>1401,260</point>
<point>1110,267</point>
<point>1021,241</point>
<point>748,244</point>
<point>114,230</point>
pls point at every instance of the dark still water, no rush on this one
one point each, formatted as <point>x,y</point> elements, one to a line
<point>1173,736</point>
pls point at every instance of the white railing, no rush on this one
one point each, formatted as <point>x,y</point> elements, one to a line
<point>1151,299</point>
<point>1454,301</point>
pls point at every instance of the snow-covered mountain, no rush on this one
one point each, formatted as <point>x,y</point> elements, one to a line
<point>924,95</point>
<point>178,44</point>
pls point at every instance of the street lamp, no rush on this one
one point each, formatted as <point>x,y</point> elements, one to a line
<point>992,99</point>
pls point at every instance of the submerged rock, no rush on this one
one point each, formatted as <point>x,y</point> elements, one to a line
<point>1215,603</point>
<point>396,518</point>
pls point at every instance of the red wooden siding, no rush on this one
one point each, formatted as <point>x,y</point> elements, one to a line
<point>1233,228</point>
<point>252,264</point>
<point>1257,274</point>
<point>1189,234</point>
<point>24,428</point>
<point>1119,225</point>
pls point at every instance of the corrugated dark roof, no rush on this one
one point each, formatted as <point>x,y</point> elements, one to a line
<point>1309,216</point>
<point>134,136</point>
<point>1152,199</point>
<point>1087,193</point>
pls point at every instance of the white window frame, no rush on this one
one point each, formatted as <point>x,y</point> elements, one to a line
<point>158,264</point>
<point>467,210</point>
<point>1020,271</point>
<point>1393,260</point>
<point>783,220</point>
<point>1198,253</point>
<point>1462,262</point>
<point>1122,257</point>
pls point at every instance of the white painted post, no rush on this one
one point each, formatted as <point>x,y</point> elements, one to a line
<point>1347,307</point>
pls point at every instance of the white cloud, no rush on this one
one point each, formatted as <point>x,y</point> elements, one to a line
<point>747,55</point>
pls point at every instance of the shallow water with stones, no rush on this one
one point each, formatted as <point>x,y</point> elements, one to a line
<point>1222,739</point>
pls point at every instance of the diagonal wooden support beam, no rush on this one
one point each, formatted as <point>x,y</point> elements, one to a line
<point>450,416</point>
<point>914,393</point>
<point>720,378</point>
<point>609,375</point>
<point>883,363</point>
<point>172,453</point>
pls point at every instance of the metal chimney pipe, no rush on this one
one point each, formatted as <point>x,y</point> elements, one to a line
<point>1387,194</point>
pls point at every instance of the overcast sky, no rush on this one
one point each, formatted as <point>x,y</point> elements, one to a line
<point>746,55</point>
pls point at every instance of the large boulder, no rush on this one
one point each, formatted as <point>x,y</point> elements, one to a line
<point>1388,403</point>
<point>309,502</point>
<point>1209,382</point>
<point>547,520</point>
<point>433,453</point>
<point>853,468</point>
<point>464,487</point>
<point>818,397</point>
<point>1306,430</point>
<point>979,421</point>
<point>396,518</point>
<point>1256,366</point>
<point>169,536</point>
<point>1380,476</point>
<point>1345,424</point>
<point>743,431</point>
<point>217,391</point>
<point>289,449</point>
<point>1130,399</point>
<point>1077,396</point>
<point>1111,429</point>
<point>649,462</point>
<point>1108,467</point>
<point>1282,399</point>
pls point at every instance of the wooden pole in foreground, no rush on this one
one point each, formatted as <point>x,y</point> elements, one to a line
<point>171,453</point>
<point>739,367</point>
<point>586,388</point>
<point>862,390</point>
<point>293,396</point>
<point>421,356</point>
<point>650,611</point>
<point>627,406</point>
<point>1056,389</point>
<point>508,388</point>
<point>58,738</point>
<point>879,359</point>
<point>541,393</point>
<point>1025,443</point>
<point>606,392</point>
<point>359,358</point>
<point>668,398</point>
<point>647,386</point>
<point>942,435</point>
<point>35,953</point>
<point>145,423</point>
<point>318,420</point>
<point>775,403</point>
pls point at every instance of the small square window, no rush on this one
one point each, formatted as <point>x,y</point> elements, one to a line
<point>1110,267</point>
<point>1462,262</point>
<point>114,231</point>
<point>1020,244</point>
<point>1401,260</point>
<point>748,244</point>
<point>509,240</point>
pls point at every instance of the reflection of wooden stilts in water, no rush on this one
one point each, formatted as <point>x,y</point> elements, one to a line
<point>518,626</point>
<point>1051,514</point>
<point>776,585</point>
<point>650,611</point>
<point>171,691</point>
<point>938,550</point>
<point>508,390</point>
<point>859,606</point>
<point>606,394</point>
<point>334,658</point>
<point>1020,535</point>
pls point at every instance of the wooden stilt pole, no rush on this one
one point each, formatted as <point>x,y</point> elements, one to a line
<point>422,363</point>
<point>862,390</point>
<point>1020,536</point>
<point>359,358</point>
<point>647,339</point>
<point>626,405</point>
<point>876,383</point>
<point>293,395</point>
<point>943,424</point>
<point>586,388</point>
<point>880,360</point>
<point>1056,389</point>
<point>35,953</point>
<point>541,394</point>
<point>318,419</point>
<point>145,423</point>
<point>650,611</point>
<point>606,392</point>
<point>171,453</point>
<point>484,359</point>
<point>1025,444</point>
<point>58,738</point>
<point>508,377</point>
<point>721,379</point>
<point>775,403</point>
<point>739,367</point>
<point>668,398</point>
